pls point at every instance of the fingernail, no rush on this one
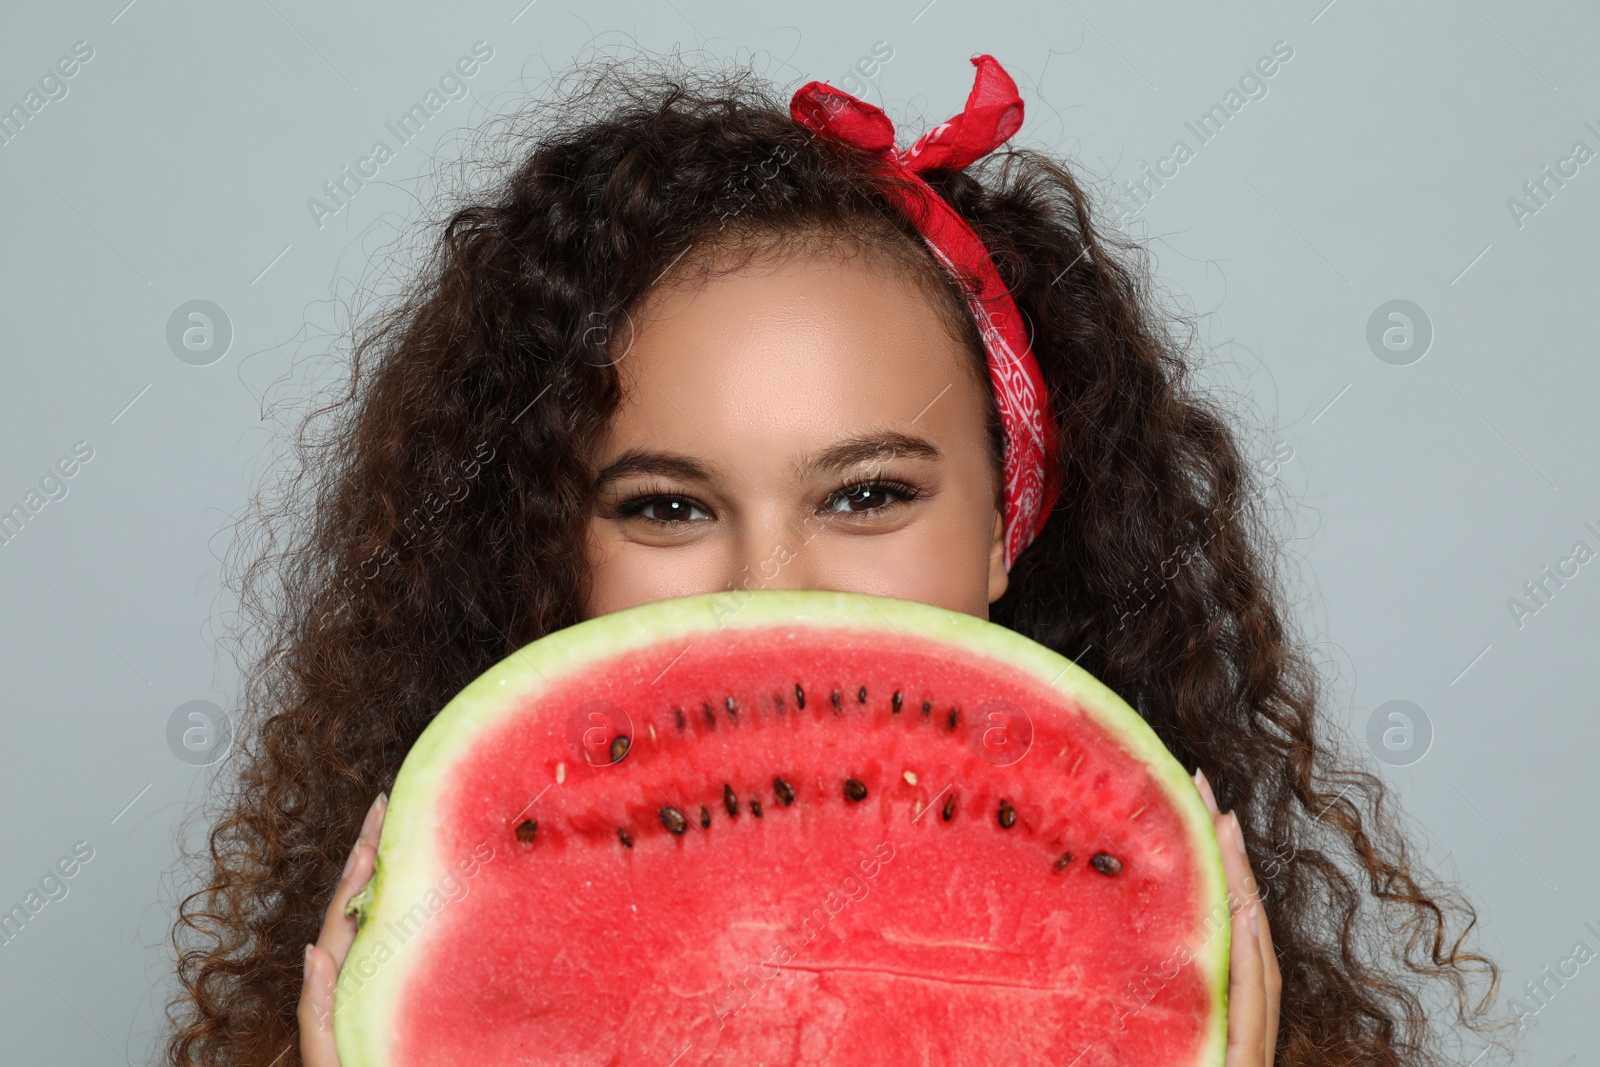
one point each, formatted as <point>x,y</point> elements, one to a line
<point>1255,925</point>
<point>350,864</point>
<point>1238,833</point>
<point>1204,785</point>
<point>306,975</point>
<point>371,821</point>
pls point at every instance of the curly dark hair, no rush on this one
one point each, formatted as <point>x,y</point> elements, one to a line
<point>434,521</point>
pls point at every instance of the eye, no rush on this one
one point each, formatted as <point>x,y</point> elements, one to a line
<point>663,508</point>
<point>865,497</point>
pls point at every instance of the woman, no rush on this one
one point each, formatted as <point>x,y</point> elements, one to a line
<point>692,324</point>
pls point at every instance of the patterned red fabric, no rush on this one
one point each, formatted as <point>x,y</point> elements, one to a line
<point>993,113</point>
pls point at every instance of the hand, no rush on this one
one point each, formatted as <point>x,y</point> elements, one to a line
<point>1254,982</point>
<point>324,959</point>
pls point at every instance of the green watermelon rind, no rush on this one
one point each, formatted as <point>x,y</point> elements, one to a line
<point>370,986</point>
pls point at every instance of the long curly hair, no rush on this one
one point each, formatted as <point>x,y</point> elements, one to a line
<point>434,521</point>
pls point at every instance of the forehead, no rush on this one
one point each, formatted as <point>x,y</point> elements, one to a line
<point>794,349</point>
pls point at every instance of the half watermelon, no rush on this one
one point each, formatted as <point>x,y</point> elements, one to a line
<point>789,828</point>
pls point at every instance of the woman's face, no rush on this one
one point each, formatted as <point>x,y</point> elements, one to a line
<point>807,422</point>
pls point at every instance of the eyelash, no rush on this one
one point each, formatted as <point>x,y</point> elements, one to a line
<point>635,506</point>
<point>906,493</point>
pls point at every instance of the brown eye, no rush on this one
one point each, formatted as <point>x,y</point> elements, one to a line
<point>869,496</point>
<point>665,509</point>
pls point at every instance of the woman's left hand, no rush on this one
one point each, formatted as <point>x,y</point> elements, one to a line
<point>1254,983</point>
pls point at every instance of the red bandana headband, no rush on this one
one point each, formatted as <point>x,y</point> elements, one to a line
<point>993,113</point>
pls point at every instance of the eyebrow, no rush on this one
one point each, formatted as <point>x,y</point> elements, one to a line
<point>860,448</point>
<point>657,462</point>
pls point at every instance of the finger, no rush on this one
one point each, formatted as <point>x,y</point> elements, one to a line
<point>1274,978</point>
<point>1203,784</point>
<point>315,1012</point>
<point>323,960</point>
<point>380,808</point>
<point>1273,985</point>
<point>1273,982</point>
<point>1247,992</point>
<point>339,930</point>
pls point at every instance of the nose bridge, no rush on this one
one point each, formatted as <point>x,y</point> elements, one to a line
<point>772,553</point>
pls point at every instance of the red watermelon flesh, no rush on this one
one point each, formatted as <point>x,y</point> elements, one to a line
<point>820,828</point>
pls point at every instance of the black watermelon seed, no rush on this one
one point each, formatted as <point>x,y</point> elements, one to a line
<point>949,811</point>
<point>835,698</point>
<point>784,790</point>
<point>677,713</point>
<point>705,817</point>
<point>755,806</point>
<point>1105,864</point>
<point>622,835</point>
<point>854,790</point>
<point>927,707</point>
<point>711,718</point>
<point>673,819</point>
<point>954,715</point>
<point>730,801</point>
<point>894,702</point>
<point>1008,815</point>
<point>526,829</point>
<point>1066,858</point>
<point>619,747</point>
<point>799,696</point>
<point>733,712</point>
<point>861,695</point>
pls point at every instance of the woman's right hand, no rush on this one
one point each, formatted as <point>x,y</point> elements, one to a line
<point>324,959</point>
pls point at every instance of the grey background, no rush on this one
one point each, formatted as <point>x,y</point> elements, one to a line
<point>1378,167</point>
